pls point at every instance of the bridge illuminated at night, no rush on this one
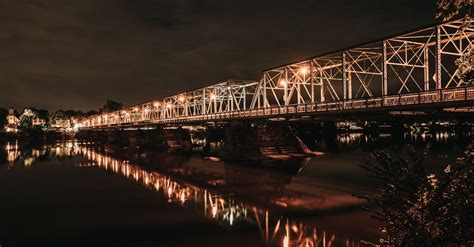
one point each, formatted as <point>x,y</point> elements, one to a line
<point>415,69</point>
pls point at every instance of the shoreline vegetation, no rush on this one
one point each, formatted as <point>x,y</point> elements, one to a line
<point>35,135</point>
<point>420,207</point>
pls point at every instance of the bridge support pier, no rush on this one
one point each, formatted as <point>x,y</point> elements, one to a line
<point>116,136</point>
<point>176,138</point>
<point>330,135</point>
<point>156,138</point>
<point>135,137</point>
<point>397,132</point>
<point>262,142</point>
<point>92,135</point>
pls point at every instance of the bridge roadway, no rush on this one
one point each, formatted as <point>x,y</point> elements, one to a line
<point>452,97</point>
<point>416,70</point>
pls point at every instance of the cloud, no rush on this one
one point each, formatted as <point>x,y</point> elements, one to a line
<point>79,53</point>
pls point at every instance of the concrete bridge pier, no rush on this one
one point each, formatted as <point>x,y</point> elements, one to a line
<point>212,139</point>
<point>371,129</point>
<point>155,138</point>
<point>160,138</point>
<point>97,136</point>
<point>117,136</point>
<point>397,131</point>
<point>92,135</point>
<point>330,134</point>
<point>215,134</point>
<point>309,132</point>
<point>135,137</point>
<point>177,138</point>
<point>246,141</point>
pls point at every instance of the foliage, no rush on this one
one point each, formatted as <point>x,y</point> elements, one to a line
<point>58,114</point>
<point>423,209</point>
<point>43,114</point>
<point>72,113</point>
<point>3,117</point>
<point>450,9</point>
<point>91,113</point>
<point>26,118</point>
<point>111,106</point>
<point>465,64</point>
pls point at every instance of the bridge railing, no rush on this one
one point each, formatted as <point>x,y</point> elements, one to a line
<point>429,97</point>
<point>396,71</point>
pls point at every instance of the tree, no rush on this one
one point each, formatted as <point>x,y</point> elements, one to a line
<point>421,208</point>
<point>43,114</point>
<point>27,117</point>
<point>72,113</point>
<point>58,114</point>
<point>450,9</point>
<point>111,106</point>
<point>465,64</point>
<point>91,113</point>
<point>3,118</point>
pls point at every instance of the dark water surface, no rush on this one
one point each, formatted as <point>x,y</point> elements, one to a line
<point>83,194</point>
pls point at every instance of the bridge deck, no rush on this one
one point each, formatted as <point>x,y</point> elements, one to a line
<point>435,98</point>
<point>413,70</point>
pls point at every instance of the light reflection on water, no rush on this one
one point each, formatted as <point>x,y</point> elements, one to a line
<point>274,230</point>
<point>355,138</point>
<point>227,209</point>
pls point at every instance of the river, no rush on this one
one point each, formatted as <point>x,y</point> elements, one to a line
<point>75,193</point>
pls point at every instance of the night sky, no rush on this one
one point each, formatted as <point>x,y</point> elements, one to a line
<point>76,54</point>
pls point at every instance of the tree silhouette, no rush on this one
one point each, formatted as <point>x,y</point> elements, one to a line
<point>111,106</point>
<point>3,118</point>
<point>451,9</point>
<point>421,208</point>
<point>448,10</point>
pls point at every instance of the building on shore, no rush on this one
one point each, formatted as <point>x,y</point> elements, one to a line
<point>38,122</point>
<point>12,121</point>
<point>60,124</point>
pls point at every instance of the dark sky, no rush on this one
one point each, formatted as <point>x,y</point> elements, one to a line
<point>76,54</point>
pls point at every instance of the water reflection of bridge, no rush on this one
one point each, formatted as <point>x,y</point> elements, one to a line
<point>223,208</point>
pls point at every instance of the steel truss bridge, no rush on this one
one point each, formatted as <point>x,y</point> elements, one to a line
<point>413,69</point>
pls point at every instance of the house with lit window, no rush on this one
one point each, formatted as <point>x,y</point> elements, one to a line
<point>38,122</point>
<point>12,121</point>
<point>60,124</point>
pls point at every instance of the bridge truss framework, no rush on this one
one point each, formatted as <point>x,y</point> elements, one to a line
<point>413,68</point>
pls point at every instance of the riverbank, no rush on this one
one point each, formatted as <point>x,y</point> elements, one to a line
<point>35,135</point>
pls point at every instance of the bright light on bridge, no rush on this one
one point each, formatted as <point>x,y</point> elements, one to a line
<point>304,70</point>
<point>361,78</point>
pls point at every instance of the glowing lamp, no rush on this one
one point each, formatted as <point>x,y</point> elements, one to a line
<point>304,70</point>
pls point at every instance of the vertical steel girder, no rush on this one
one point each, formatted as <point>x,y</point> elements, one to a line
<point>413,62</point>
